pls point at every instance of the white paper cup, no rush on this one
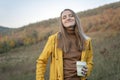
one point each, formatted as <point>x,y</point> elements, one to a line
<point>80,65</point>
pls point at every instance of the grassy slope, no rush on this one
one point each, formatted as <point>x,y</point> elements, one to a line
<point>20,63</point>
<point>106,56</point>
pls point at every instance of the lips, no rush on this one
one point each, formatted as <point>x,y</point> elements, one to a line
<point>69,21</point>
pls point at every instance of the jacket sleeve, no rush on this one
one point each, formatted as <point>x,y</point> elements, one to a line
<point>89,58</point>
<point>43,59</point>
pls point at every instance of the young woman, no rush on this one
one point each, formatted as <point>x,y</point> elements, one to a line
<point>66,47</point>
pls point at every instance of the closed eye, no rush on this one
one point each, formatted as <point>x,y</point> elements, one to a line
<point>64,17</point>
<point>71,15</point>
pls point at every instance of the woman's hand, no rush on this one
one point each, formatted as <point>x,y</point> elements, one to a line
<point>84,70</point>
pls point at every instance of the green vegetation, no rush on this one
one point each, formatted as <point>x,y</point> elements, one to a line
<point>20,63</point>
<point>106,47</point>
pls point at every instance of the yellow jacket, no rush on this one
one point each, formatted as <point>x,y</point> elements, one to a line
<point>56,65</point>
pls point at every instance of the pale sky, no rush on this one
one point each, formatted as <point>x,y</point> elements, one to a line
<point>17,13</point>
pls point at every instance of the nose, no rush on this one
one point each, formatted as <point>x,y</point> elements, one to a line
<point>68,18</point>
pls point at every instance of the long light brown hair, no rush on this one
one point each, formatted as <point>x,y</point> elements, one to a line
<point>63,40</point>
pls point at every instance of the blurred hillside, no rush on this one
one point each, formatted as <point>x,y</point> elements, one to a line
<point>5,30</point>
<point>101,19</point>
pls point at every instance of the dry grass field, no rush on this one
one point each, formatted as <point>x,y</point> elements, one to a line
<point>20,63</point>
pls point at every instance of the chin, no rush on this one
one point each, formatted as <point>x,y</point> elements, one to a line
<point>71,27</point>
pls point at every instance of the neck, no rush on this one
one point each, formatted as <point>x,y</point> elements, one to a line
<point>72,32</point>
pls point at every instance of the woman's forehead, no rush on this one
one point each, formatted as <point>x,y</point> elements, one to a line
<point>66,12</point>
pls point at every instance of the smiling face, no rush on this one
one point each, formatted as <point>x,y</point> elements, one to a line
<point>68,20</point>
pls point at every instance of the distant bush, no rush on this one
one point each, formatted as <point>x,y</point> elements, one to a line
<point>4,47</point>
